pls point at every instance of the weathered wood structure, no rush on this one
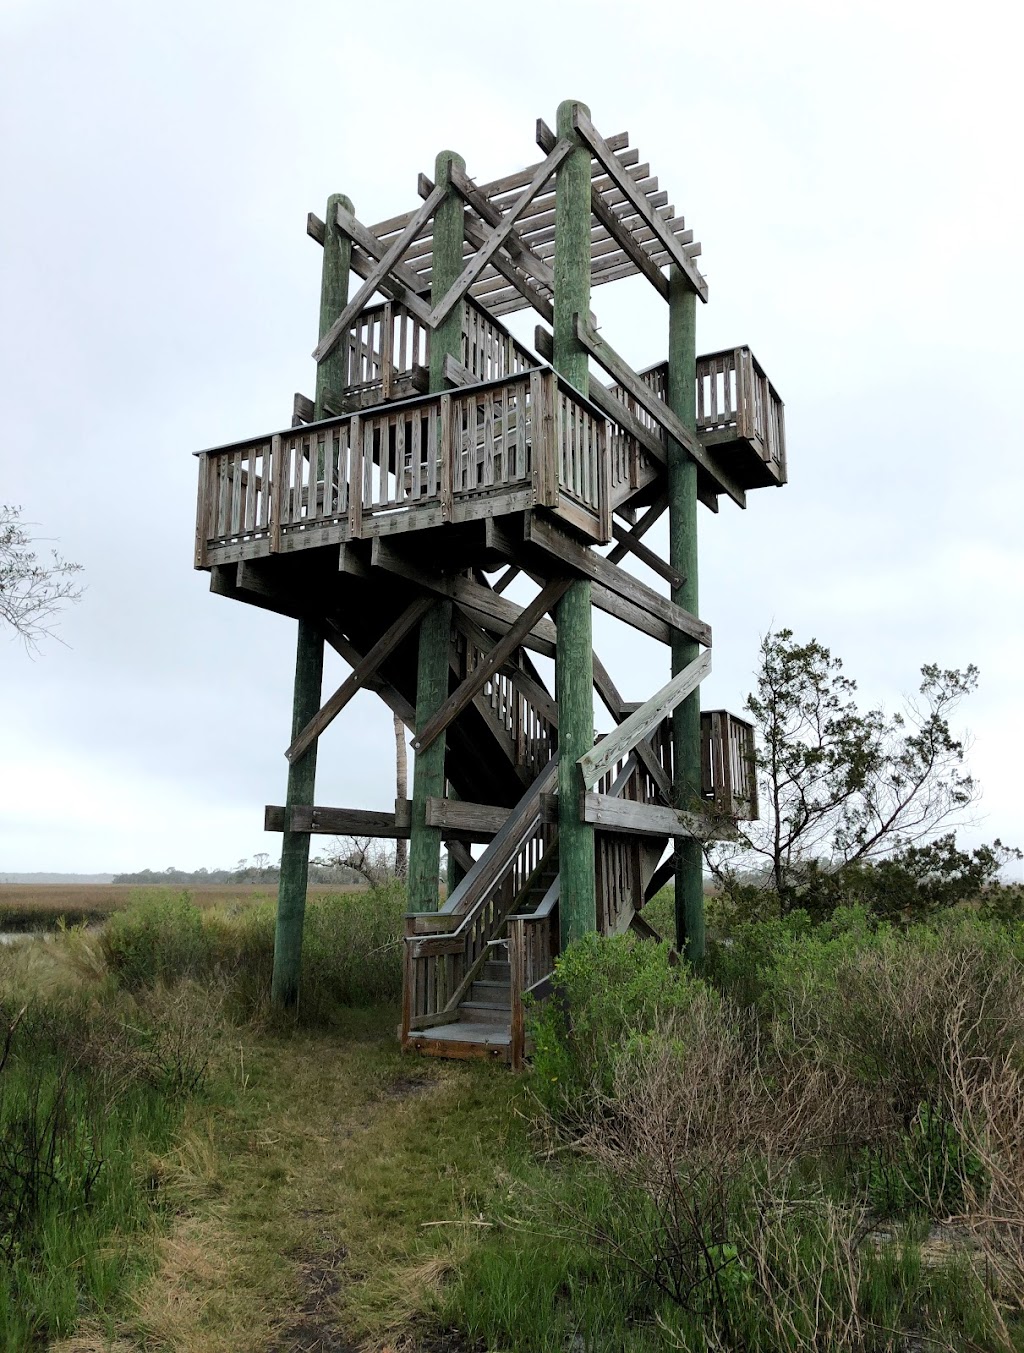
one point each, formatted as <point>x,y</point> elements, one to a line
<point>441,461</point>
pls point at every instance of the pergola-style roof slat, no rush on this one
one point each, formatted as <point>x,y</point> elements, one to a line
<point>645,233</point>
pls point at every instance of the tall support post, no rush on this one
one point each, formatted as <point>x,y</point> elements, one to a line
<point>309,653</point>
<point>428,777</point>
<point>574,652</point>
<point>682,503</point>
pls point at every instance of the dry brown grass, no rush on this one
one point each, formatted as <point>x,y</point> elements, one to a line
<point>29,906</point>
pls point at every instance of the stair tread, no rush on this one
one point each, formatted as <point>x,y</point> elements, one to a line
<point>466,1031</point>
<point>483,1005</point>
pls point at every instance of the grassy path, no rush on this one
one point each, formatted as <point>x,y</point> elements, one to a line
<point>321,1197</point>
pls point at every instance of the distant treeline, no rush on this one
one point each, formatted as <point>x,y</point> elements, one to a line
<point>245,873</point>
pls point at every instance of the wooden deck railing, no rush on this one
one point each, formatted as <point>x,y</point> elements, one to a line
<point>735,399</point>
<point>497,447</point>
<point>728,765</point>
<point>386,353</point>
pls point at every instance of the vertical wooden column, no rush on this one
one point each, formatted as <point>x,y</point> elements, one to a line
<point>574,656</point>
<point>436,626</point>
<point>309,654</point>
<point>682,501</point>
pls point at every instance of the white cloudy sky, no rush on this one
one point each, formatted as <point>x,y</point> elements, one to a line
<point>853,171</point>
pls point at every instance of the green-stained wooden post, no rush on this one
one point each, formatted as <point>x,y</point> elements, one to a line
<point>574,656</point>
<point>309,654</point>
<point>682,501</point>
<point>435,629</point>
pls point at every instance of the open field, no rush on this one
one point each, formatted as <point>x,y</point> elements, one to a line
<point>41,906</point>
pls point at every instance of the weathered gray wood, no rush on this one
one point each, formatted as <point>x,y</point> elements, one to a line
<point>498,655</point>
<point>640,528</point>
<point>499,234</point>
<point>624,374</point>
<point>603,153</point>
<point>616,228</point>
<point>496,611</point>
<point>357,678</point>
<point>646,556</point>
<point>475,821</point>
<point>617,412</point>
<point>411,283</point>
<point>383,267</point>
<point>616,580</point>
<point>642,721</point>
<point>641,819</point>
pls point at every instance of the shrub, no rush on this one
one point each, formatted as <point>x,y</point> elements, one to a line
<point>608,992</point>
<point>156,937</point>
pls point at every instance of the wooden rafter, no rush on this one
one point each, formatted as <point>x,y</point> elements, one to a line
<point>497,236</point>
<point>619,231</point>
<point>601,151</point>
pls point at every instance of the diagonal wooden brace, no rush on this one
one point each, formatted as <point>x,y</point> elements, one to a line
<point>494,660</point>
<point>359,676</point>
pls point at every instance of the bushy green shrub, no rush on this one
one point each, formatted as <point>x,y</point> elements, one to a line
<point>156,937</point>
<point>928,1169</point>
<point>608,991</point>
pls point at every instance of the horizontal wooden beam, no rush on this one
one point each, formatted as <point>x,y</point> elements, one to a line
<point>621,372</point>
<point>605,156</point>
<point>641,819</point>
<point>643,721</point>
<point>340,821</point>
<point>614,579</point>
<point>479,821</point>
<point>359,675</point>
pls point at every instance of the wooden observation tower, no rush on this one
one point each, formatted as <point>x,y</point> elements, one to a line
<point>441,460</point>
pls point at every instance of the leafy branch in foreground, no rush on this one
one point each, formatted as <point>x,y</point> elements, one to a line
<point>31,592</point>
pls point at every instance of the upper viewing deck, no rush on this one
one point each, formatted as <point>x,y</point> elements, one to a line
<point>509,435</point>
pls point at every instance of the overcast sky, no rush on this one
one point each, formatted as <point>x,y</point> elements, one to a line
<point>853,172</point>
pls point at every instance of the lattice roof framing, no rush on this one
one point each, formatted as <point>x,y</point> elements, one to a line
<point>634,229</point>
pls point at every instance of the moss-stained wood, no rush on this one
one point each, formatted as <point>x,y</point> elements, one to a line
<point>433,668</point>
<point>309,655</point>
<point>682,491</point>
<point>574,668</point>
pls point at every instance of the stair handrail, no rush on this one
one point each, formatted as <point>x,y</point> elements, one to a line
<point>492,865</point>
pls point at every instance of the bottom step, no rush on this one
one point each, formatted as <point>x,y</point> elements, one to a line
<point>462,1039</point>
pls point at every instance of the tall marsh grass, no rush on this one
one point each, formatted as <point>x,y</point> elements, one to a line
<point>351,953</point>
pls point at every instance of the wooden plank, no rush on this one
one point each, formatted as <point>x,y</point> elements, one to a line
<point>624,374</point>
<point>411,283</point>
<point>603,153</point>
<point>383,266</point>
<point>641,528</point>
<point>477,821</point>
<point>616,580</point>
<point>492,216</point>
<point>641,819</point>
<point>320,821</point>
<point>384,646</point>
<point>499,654</point>
<point>613,224</point>
<point>497,612</point>
<point>653,561</point>
<point>643,721</point>
<point>498,235</point>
